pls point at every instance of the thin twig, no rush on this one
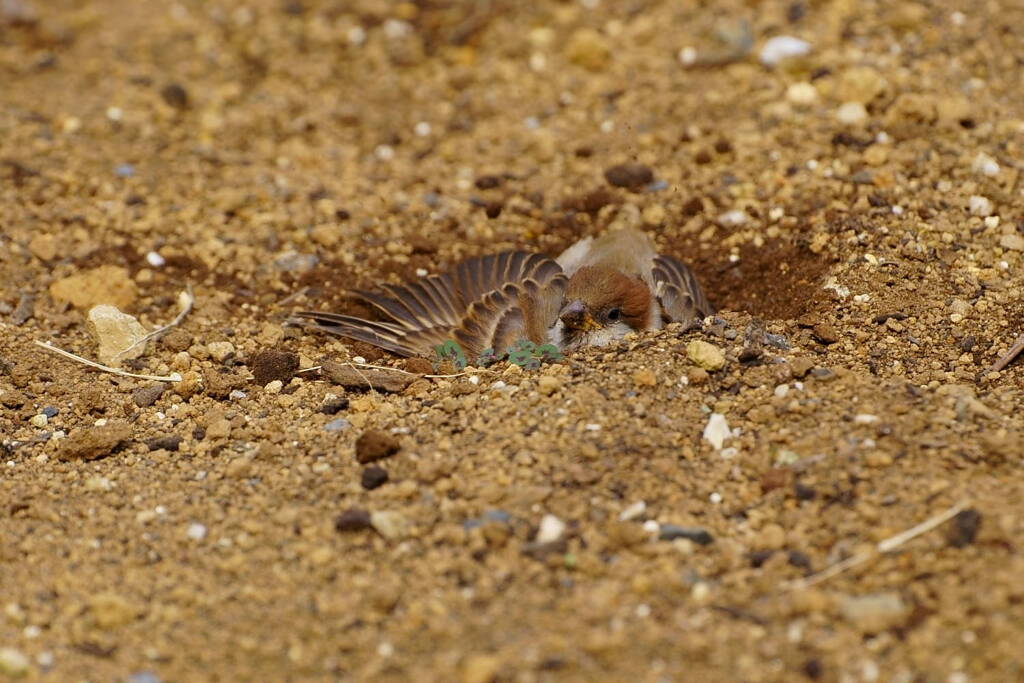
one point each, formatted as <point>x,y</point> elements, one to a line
<point>882,547</point>
<point>185,299</point>
<point>1006,358</point>
<point>174,377</point>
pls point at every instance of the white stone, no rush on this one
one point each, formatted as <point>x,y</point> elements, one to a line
<point>980,206</point>
<point>13,662</point>
<point>633,511</point>
<point>196,531</point>
<point>551,529</point>
<point>783,47</point>
<point>851,113</point>
<point>985,165</point>
<point>717,430</point>
<point>114,332</point>
<point>802,94</point>
<point>220,350</point>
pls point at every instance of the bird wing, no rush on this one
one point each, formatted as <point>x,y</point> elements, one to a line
<point>481,302</point>
<point>681,296</point>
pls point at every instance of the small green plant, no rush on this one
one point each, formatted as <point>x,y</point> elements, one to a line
<point>523,353</point>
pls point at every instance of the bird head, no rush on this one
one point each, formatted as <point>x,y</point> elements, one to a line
<point>602,305</point>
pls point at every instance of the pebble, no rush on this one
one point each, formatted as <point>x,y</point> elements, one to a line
<point>176,340</point>
<point>39,420</point>
<point>13,662</point>
<point>294,262</point>
<point>985,165</point>
<point>274,387</point>
<point>733,219</point>
<point>635,510</point>
<point>963,528</point>
<point>717,431</point>
<point>353,519</point>
<point>43,246</point>
<point>366,378</point>
<point>1013,241</point>
<point>390,524</point>
<point>480,669</point>
<point>874,612</point>
<point>333,404</point>
<point>175,95</point>
<point>588,48</point>
<point>671,532</point>
<point>114,332</point>
<point>169,442</point>
<point>802,94</point>
<point>144,677</point>
<point>979,206</point>
<point>373,477</point>
<point>706,356</point>
<point>104,285</point>
<point>220,351</point>
<point>645,377</point>
<point>780,48</point>
<point>270,364</point>
<point>146,396</point>
<point>551,529</point>
<point>90,443</point>
<point>373,445</point>
<point>771,537</point>
<point>196,531</point>
<point>851,114</point>
<point>110,610</point>
<point>548,385</point>
<point>630,176</point>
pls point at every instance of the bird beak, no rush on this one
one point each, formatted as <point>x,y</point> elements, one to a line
<point>575,316</point>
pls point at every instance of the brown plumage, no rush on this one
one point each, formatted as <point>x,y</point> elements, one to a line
<point>596,292</point>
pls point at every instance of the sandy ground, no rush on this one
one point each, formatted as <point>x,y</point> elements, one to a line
<point>855,213</point>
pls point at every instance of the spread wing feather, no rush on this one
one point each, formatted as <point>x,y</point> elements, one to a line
<point>678,291</point>
<point>480,303</point>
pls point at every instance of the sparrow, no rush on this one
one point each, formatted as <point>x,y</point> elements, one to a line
<point>595,292</point>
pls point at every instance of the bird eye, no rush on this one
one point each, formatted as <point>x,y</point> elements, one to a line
<point>615,314</point>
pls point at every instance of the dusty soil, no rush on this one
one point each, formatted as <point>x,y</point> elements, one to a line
<point>864,201</point>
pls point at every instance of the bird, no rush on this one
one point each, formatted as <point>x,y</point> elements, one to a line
<point>594,293</point>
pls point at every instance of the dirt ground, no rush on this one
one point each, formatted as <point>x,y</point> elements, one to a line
<point>856,214</point>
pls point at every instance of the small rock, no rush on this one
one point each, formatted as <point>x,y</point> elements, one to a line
<point>333,404</point>
<point>221,385</point>
<point>168,442</point>
<point>373,477</point>
<point>548,385</point>
<point>373,445</point>
<point>780,48</point>
<point>645,377</point>
<point>696,376</point>
<point>823,374</point>
<point>1012,241</point>
<point>176,340</point>
<point>802,94</point>
<point>39,420</point>
<point>12,398</point>
<point>551,529</point>
<point>273,387</point>
<point>270,365</point>
<point>220,351</point>
<point>717,431</point>
<point>801,366</point>
<point>771,537</point>
<point>13,663</point>
<point>629,176</point>
<point>110,610</point>
<point>875,612</point>
<point>963,528</point>
<point>174,95</point>
<point>337,425</point>
<point>851,114</point>
<point>146,396</point>
<point>196,531</point>
<point>980,206</point>
<point>588,48</point>
<point>825,333</point>
<point>353,519</point>
<point>43,246</point>
<point>705,355</point>
<point>480,669</point>
<point>91,443</point>
<point>390,524</point>
<point>635,510</point>
<point>419,366</point>
<point>218,429</point>
<point>115,331</point>
<point>104,285</point>
<point>670,532</point>
<point>366,378</point>
<point>294,262</point>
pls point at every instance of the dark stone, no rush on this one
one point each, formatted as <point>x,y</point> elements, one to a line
<point>488,182</point>
<point>333,405</point>
<point>270,364</point>
<point>964,528</point>
<point>373,445</point>
<point>175,96</point>
<point>353,519</point>
<point>759,557</point>
<point>146,396</point>
<point>374,477</point>
<point>50,411</point>
<point>804,492</point>
<point>629,176</point>
<point>670,532</point>
<point>812,669</point>
<point>799,560</point>
<point>169,442</point>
